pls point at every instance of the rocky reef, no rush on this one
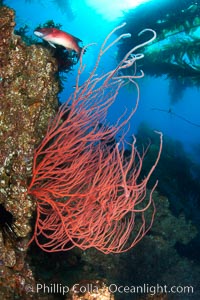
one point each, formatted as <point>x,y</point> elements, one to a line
<point>28,91</point>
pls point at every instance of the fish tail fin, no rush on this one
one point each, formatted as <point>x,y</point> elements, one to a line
<point>79,52</point>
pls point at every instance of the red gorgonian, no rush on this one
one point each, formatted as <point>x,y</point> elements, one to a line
<point>88,192</point>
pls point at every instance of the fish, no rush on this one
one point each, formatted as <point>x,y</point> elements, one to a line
<point>55,36</point>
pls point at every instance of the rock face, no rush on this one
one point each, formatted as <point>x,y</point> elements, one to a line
<point>28,93</point>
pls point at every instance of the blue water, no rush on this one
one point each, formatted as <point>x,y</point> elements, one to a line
<point>91,26</point>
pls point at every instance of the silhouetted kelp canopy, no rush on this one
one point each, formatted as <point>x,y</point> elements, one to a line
<point>175,52</point>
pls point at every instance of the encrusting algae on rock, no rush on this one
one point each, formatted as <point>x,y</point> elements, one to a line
<point>28,90</point>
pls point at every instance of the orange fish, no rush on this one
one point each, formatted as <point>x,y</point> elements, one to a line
<point>55,36</point>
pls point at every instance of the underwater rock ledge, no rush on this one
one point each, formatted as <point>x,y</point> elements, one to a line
<point>28,90</point>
